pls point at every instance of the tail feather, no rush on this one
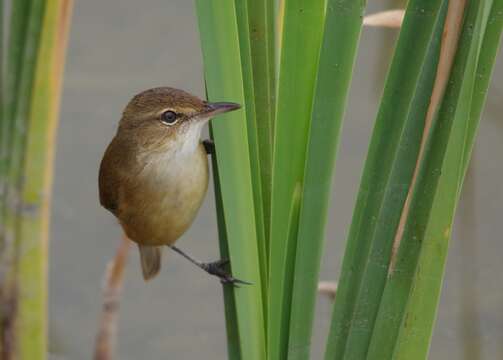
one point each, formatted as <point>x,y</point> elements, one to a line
<point>150,257</point>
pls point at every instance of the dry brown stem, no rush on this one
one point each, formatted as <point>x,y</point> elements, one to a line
<point>106,337</point>
<point>328,288</point>
<point>452,31</point>
<point>388,19</point>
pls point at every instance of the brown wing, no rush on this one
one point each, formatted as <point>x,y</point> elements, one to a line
<point>109,181</point>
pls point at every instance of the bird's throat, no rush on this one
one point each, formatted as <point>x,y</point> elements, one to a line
<point>187,142</point>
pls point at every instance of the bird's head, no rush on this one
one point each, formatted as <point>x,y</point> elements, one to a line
<point>166,114</point>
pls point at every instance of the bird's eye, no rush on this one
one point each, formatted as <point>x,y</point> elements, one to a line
<point>169,117</point>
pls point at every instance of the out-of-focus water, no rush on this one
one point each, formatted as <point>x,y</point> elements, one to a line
<point>118,48</point>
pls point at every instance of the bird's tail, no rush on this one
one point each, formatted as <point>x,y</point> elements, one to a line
<point>150,257</point>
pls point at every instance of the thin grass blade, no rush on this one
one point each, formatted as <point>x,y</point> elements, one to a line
<point>262,51</point>
<point>224,81</point>
<point>342,31</point>
<point>33,221</point>
<point>300,47</point>
<point>423,300</point>
<point>387,175</point>
<point>30,15</point>
<point>231,320</point>
<point>2,88</point>
<point>18,24</point>
<point>400,279</point>
<point>253,139</point>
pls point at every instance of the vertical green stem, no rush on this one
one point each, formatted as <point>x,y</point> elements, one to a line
<point>10,84</point>
<point>300,49</point>
<point>338,52</point>
<point>249,86</point>
<point>231,316</point>
<point>422,305</point>
<point>387,174</point>
<point>2,76</point>
<point>33,222</point>
<point>262,37</point>
<point>219,31</point>
<point>25,29</point>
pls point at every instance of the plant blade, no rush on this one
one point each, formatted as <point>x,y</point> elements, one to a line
<point>342,31</point>
<point>33,226</point>
<point>262,52</point>
<point>224,80</point>
<point>387,174</point>
<point>463,103</point>
<point>296,82</point>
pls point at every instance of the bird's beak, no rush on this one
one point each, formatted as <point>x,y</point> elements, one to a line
<point>216,108</point>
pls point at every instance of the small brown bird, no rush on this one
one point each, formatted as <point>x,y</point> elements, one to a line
<point>154,174</point>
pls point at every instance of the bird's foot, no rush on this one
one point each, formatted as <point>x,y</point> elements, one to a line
<point>209,146</point>
<point>217,268</point>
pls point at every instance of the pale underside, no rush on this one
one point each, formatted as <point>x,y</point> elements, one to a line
<point>166,196</point>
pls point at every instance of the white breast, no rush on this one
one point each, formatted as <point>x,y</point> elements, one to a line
<point>178,164</point>
<point>189,142</point>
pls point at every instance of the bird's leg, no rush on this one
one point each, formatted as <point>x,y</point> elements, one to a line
<point>209,146</point>
<point>214,268</point>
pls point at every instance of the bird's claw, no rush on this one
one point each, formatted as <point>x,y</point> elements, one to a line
<point>209,146</point>
<point>233,281</point>
<point>217,268</point>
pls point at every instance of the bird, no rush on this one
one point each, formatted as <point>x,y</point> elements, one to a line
<point>154,173</point>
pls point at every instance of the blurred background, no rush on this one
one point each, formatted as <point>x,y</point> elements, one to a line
<point>120,48</point>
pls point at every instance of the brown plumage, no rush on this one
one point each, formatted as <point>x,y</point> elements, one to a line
<point>154,174</point>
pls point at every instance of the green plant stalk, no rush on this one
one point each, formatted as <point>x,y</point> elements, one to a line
<point>296,85</point>
<point>18,106</point>
<point>21,106</point>
<point>403,169</point>
<point>18,25</point>
<point>387,174</point>
<point>2,117</point>
<point>14,59</point>
<point>33,222</point>
<point>2,84</point>
<point>262,38</point>
<point>425,292</point>
<point>253,143</point>
<point>487,57</point>
<point>224,80</point>
<point>342,32</point>
<point>454,112</point>
<point>231,322</point>
<point>19,128</point>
